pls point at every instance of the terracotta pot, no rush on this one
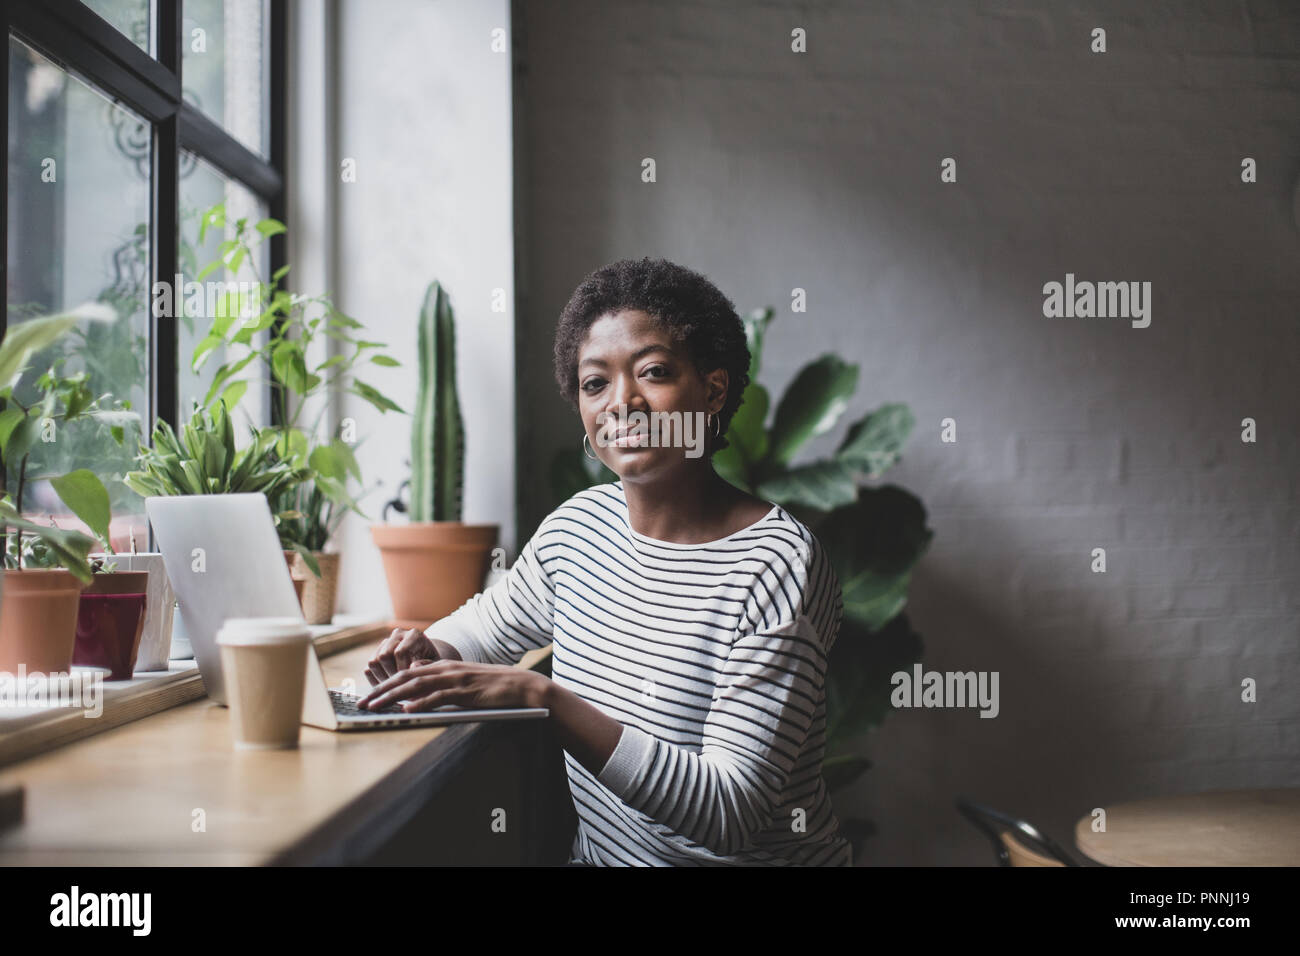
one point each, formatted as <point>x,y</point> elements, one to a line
<point>433,567</point>
<point>110,621</point>
<point>38,620</point>
<point>319,594</point>
<point>299,583</point>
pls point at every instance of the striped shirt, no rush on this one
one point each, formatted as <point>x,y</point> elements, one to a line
<point>713,658</point>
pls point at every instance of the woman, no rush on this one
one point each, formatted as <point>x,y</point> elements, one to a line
<point>691,621</point>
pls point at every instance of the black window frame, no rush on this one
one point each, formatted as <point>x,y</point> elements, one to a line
<point>70,34</point>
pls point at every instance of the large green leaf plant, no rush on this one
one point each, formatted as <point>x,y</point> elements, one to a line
<point>874,534</point>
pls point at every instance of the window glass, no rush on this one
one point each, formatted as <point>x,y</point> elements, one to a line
<point>223,66</point>
<point>131,17</point>
<point>78,228</point>
<point>202,187</point>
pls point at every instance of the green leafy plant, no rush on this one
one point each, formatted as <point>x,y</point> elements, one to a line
<point>437,430</point>
<point>113,355</point>
<point>309,519</point>
<point>295,328</point>
<point>292,330</point>
<point>61,401</point>
<point>203,460</point>
<point>874,535</point>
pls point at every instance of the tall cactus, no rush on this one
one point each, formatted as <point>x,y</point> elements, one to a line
<point>437,432</point>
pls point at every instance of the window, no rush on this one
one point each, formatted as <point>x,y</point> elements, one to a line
<point>126,119</point>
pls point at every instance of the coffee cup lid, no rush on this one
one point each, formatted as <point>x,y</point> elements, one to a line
<point>263,630</point>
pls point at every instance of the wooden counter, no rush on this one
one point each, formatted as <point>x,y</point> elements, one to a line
<point>170,789</point>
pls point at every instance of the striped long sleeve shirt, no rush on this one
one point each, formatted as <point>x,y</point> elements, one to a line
<point>713,658</point>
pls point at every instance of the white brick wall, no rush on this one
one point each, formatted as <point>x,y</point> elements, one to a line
<point>821,171</point>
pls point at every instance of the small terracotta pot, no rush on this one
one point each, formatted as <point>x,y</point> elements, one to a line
<point>299,582</point>
<point>319,594</point>
<point>433,567</point>
<point>38,620</point>
<point>110,621</point>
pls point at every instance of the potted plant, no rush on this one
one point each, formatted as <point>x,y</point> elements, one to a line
<point>874,535</point>
<point>46,567</point>
<point>435,563</point>
<point>297,327</point>
<point>203,460</point>
<point>311,517</point>
<point>110,610</point>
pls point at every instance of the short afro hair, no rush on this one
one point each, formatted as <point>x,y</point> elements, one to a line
<point>686,303</point>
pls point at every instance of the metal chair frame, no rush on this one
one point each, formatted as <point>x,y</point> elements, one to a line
<point>992,823</point>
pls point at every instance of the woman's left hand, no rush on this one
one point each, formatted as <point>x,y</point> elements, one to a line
<point>427,685</point>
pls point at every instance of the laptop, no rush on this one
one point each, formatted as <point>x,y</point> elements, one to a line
<point>224,560</point>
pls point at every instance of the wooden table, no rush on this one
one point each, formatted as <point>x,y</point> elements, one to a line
<point>1215,828</point>
<point>170,789</point>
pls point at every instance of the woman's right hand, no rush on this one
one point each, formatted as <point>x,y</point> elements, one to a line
<point>399,651</point>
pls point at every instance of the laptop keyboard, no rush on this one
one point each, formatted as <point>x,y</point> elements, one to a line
<point>345,705</point>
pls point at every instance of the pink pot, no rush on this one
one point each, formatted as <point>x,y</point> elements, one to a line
<point>110,621</point>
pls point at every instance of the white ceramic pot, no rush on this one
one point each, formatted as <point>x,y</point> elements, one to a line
<point>182,650</point>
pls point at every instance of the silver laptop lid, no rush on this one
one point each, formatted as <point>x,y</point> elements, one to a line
<point>224,560</point>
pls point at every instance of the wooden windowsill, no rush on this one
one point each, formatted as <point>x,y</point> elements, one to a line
<point>171,790</point>
<point>28,731</point>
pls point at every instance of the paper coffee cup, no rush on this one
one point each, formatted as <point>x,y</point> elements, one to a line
<point>265,665</point>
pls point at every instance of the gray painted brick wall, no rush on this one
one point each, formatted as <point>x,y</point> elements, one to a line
<point>821,171</point>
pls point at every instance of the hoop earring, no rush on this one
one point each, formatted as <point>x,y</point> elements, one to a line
<point>717,432</point>
<point>586,443</point>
